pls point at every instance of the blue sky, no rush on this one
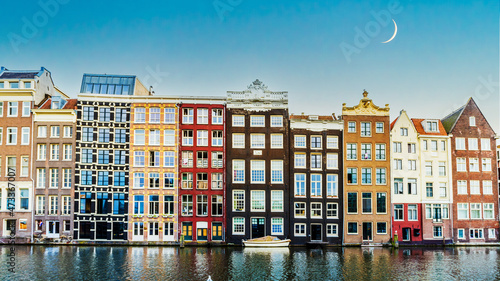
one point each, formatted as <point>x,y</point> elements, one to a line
<point>443,53</point>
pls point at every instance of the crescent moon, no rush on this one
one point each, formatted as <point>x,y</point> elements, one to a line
<point>395,32</point>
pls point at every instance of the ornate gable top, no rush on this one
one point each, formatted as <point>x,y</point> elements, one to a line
<point>365,107</point>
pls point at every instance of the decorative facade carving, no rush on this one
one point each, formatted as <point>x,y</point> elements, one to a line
<point>365,107</point>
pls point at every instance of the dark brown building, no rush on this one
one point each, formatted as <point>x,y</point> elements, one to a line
<point>316,193</point>
<point>257,164</point>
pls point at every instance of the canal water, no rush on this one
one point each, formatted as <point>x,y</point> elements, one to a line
<point>171,263</point>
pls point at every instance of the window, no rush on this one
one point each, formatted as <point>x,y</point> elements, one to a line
<point>121,115</point>
<point>238,171</point>
<point>24,195</point>
<point>366,129</point>
<point>351,151</point>
<point>217,205</point>
<point>316,185</point>
<point>351,127</point>
<point>428,168</point>
<point>104,135</point>
<point>352,228</point>
<point>442,169</point>
<point>118,203</point>
<point>42,131</point>
<point>316,161</point>
<point>276,121</point>
<point>472,121</point>
<point>486,164</point>
<point>257,171</point>
<point>202,204</point>
<point>475,210</point>
<point>474,187</point>
<point>257,121</point>
<point>476,233</point>
<point>412,212</point>
<point>11,136</point>
<point>381,175</point>
<point>398,186</point>
<point>154,115</point>
<point>67,151</point>
<point>12,110</point>
<point>332,142</point>
<point>379,151</point>
<point>352,202</point>
<point>316,209</point>
<point>217,116</point>
<point>463,211</point>
<point>202,115</point>
<point>473,144</point>
<point>300,184</point>
<point>258,200</point>
<point>300,229</point>
<point>25,136</point>
<point>54,152</point>
<point>300,160</point>
<point>103,156</point>
<point>412,165</point>
<point>154,137</point>
<point>485,144</point>
<point>300,209</point>
<point>277,141</point>
<point>187,137</point>
<point>332,161</point>
<point>473,165</point>
<point>379,127</point>
<point>54,177</point>
<point>238,200</point>
<point>398,212</point>
<point>238,140</point>
<point>352,175</point>
<point>276,201</point>
<point>331,185</point>
<point>168,205</point>
<point>257,140</point>
<point>40,178</point>
<point>461,165</point>
<point>202,159</point>
<point>366,198</point>
<point>187,205</point>
<point>487,187</point>
<point>139,160</point>
<point>154,179</point>
<point>201,181</point>
<point>276,171</point>
<point>104,114</point>
<point>429,189</point>
<point>170,115</point>
<point>169,159</point>
<point>381,228</point>
<point>102,203</point>
<point>381,203</point>
<point>187,159</point>
<point>424,144</point>
<point>434,145</point>
<point>238,226</point>
<point>87,134</point>
<point>138,204</point>
<point>432,126</point>
<point>86,178</point>
<point>488,211</point>
<point>67,179</point>
<point>216,180</point>
<point>103,178</point>
<point>187,116</point>
<point>462,187</point>
<point>238,121</point>
<point>154,159</point>
<point>216,138</point>
<point>139,115</point>
<point>169,138</point>
<point>42,152</point>
<point>411,148</point>
<point>53,204</point>
<point>11,165</point>
<point>366,151</point>
<point>168,180</point>
<point>404,131</point>
<point>460,143</point>
<point>461,233</point>
<point>438,231</point>
<point>366,175</point>
<point>300,141</point>
<point>187,181</point>
<point>316,142</point>
<point>40,205</point>
<point>412,186</point>
<point>396,147</point>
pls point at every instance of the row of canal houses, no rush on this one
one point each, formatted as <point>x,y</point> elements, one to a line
<point>121,164</point>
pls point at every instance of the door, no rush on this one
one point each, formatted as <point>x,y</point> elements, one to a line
<point>187,231</point>
<point>367,231</point>
<point>217,231</point>
<point>406,234</point>
<point>53,229</point>
<point>138,231</point>
<point>154,231</point>
<point>316,232</point>
<point>10,227</point>
<point>168,235</point>
<point>258,227</point>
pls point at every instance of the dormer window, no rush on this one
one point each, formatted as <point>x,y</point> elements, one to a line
<point>313,117</point>
<point>432,126</point>
<point>472,121</point>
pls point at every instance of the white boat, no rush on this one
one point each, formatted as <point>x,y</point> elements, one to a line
<point>266,241</point>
